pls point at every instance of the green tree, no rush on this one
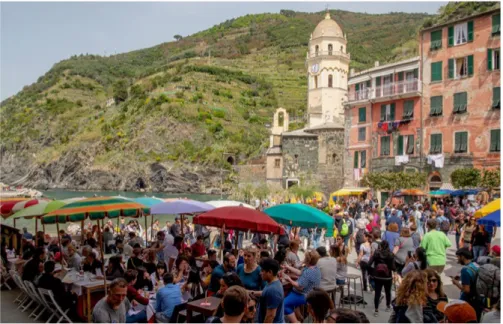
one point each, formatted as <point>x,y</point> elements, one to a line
<point>393,181</point>
<point>490,179</point>
<point>120,91</point>
<point>465,178</point>
<point>261,192</point>
<point>177,37</point>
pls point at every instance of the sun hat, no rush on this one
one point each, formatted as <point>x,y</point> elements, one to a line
<point>457,311</point>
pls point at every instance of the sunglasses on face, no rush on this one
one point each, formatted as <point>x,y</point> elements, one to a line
<point>432,280</point>
<point>251,308</point>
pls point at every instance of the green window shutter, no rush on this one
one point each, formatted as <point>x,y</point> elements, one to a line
<point>457,142</point>
<point>489,59</point>
<point>470,65</point>
<point>378,81</point>
<point>496,24</point>
<point>385,145</point>
<point>362,133</point>
<point>357,87</point>
<point>460,102</point>
<point>400,76</point>
<point>410,144</point>
<point>436,143</point>
<point>456,103</point>
<point>392,111</point>
<point>451,68</point>
<point>495,140</point>
<point>369,84</point>
<point>400,145</point>
<point>436,71</point>
<point>436,105</point>
<point>464,101</point>
<point>383,112</point>
<point>496,97</point>
<point>439,143</point>
<point>451,35</point>
<point>436,40</point>
<point>470,31</point>
<point>363,114</point>
<point>363,159</point>
<point>356,160</point>
<point>408,109</point>
<point>416,73</point>
<point>464,142</point>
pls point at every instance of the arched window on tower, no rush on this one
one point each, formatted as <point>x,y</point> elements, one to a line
<point>342,49</point>
<point>316,48</point>
<point>316,82</point>
<point>281,119</point>
<point>330,81</point>
<point>330,49</point>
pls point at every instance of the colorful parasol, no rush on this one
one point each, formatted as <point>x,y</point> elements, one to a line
<point>301,215</point>
<point>492,219</point>
<point>410,192</point>
<point>240,219</point>
<point>6,205</point>
<point>489,208</point>
<point>228,203</point>
<point>39,209</point>
<point>148,201</point>
<point>181,206</point>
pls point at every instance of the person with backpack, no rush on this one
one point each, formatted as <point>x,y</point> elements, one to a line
<point>345,228</point>
<point>468,282</point>
<point>382,263</point>
<point>359,235</point>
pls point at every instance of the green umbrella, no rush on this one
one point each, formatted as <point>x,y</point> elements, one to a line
<point>40,209</point>
<point>302,216</point>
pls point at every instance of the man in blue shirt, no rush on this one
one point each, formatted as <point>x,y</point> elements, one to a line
<point>167,299</point>
<point>468,279</point>
<point>26,234</point>
<point>394,218</point>
<point>229,265</point>
<point>271,298</point>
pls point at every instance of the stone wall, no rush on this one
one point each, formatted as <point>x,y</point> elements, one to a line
<point>300,157</point>
<point>254,174</point>
<point>331,160</point>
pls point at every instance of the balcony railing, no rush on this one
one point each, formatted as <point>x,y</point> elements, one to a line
<point>327,53</point>
<point>386,90</point>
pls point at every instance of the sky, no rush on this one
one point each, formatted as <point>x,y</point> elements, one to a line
<point>35,36</point>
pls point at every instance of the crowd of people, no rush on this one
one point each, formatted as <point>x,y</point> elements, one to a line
<point>268,281</point>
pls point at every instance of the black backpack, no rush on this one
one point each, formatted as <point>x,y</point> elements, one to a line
<point>360,236</point>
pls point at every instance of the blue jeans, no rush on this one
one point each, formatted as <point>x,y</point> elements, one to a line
<point>339,282</point>
<point>458,236</point>
<point>316,240</point>
<point>141,317</point>
<point>292,300</point>
<point>346,240</point>
<point>478,250</point>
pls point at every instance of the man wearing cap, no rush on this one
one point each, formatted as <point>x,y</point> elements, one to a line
<point>458,311</point>
<point>26,234</point>
<point>468,279</point>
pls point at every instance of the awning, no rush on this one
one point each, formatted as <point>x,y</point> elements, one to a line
<point>464,192</point>
<point>349,191</point>
<point>410,192</point>
<point>447,186</point>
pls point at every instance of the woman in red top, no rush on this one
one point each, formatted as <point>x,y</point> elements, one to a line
<point>135,297</point>
<point>198,248</point>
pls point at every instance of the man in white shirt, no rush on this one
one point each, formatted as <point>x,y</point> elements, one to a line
<point>171,252</point>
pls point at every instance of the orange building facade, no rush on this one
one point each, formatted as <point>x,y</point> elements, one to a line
<point>383,119</point>
<point>460,72</point>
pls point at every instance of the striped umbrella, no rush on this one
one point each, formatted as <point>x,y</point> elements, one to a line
<point>6,205</point>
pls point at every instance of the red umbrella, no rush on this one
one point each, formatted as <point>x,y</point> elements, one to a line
<point>240,219</point>
<point>7,205</point>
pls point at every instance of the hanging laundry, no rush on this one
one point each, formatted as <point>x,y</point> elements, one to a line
<point>385,127</point>
<point>437,160</point>
<point>356,173</point>
<point>379,124</point>
<point>401,159</point>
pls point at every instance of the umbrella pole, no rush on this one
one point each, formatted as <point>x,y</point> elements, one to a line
<point>236,239</point>
<point>36,232</point>
<point>222,243</point>
<point>151,227</point>
<point>82,232</point>
<point>59,239</point>
<point>118,226</point>
<point>146,238</point>
<point>100,238</point>
<point>14,223</point>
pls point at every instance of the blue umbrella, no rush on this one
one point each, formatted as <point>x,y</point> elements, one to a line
<point>463,192</point>
<point>181,206</point>
<point>148,201</point>
<point>492,219</point>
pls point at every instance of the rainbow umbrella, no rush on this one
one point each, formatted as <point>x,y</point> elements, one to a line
<point>489,208</point>
<point>6,205</point>
<point>492,219</point>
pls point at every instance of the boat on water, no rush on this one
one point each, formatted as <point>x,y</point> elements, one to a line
<point>7,191</point>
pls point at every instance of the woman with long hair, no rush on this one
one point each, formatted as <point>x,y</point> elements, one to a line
<point>416,261</point>
<point>157,276</point>
<point>339,253</point>
<point>382,263</point>
<point>318,305</point>
<point>391,235</point>
<point>228,280</point>
<point>114,268</point>
<point>467,232</point>
<point>364,258</point>
<point>249,271</point>
<point>402,246</point>
<point>479,242</point>
<point>409,305</point>
<point>435,293</point>
<point>193,288</point>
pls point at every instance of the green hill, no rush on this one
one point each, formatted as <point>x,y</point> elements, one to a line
<point>179,105</point>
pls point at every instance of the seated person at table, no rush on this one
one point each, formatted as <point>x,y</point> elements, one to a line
<point>27,248</point>
<point>134,262</point>
<point>135,297</point>
<point>158,275</point>
<point>66,300</point>
<point>123,249</point>
<point>207,271</point>
<point>150,262</point>
<point>212,255</point>
<point>167,299</point>
<point>33,268</point>
<point>182,269</point>
<point>133,239</point>
<point>171,252</point>
<point>192,289</point>
<point>90,240</point>
<point>234,304</point>
<point>198,248</point>
<point>228,280</point>
<point>113,307</point>
<point>249,272</point>
<point>114,268</point>
<point>228,266</point>
<point>92,265</point>
<point>292,258</point>
<point>73,258</point>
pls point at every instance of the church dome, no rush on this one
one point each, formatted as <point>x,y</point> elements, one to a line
<point>327,27</point>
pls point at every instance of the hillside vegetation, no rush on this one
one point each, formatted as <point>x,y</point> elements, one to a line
<point>181,104</point>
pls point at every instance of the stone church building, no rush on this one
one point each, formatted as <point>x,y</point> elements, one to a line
<point>316,152</point>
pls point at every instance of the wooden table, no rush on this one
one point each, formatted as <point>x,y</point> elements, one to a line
<point>196,306</point>
<point>87,289</point>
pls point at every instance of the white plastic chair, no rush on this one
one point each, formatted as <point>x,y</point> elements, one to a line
<point>47,304</point>
<point>36,296</point>
<point>27,301</point>
<point>48,294</point>
<point>21,296</point>
<point>34,299</point>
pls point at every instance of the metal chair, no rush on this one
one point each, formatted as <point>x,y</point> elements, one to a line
<point>48,294</point>
<point>47,304</point>
<point>31,288</point>
<point>22,295</point>
<point>4,278</point>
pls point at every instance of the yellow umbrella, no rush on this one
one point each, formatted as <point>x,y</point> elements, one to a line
<point>487,209</point>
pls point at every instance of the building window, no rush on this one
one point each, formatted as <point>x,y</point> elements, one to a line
<point>436,106</point>
<point>316,49</point>
<point>436,71</point>
<point>355,161</point>
<point>277,163</point>
<point>334,158</point>
<point>436,143</point>
<point>330,78</point>
<point>296,159</point>
<point>460,67</point>
<point>281,119</point>
<point>409,145</point>
<point>460,102</point>
<point>496,24</point>
<point>460,142</point>
<point>316,82</point>
<point>496,98</point>
<point>436,40</point>
<point>388,112</point>
<point>385,145</point>
<point>495,140</point>
<point>363,159</point>
<point>330,49</point>
<point>460,33</point>
<point>493,59</point>
<point>362,114</point>
<point>408,109</point>
<point>362,131</point>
